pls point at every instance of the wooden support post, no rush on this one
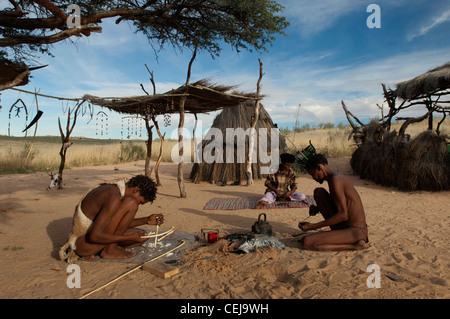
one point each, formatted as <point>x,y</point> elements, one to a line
<point>253,134</point>
<point>181,150</point>
<point>161,147</point>
<point>148,171</point>
<point>180,130</point>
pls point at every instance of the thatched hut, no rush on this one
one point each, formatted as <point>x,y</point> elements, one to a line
<point>422,163</point>
<point>199,97</point>
<point>393,159</point>
<point>240,117</point>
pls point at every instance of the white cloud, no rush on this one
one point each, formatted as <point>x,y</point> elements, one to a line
<point>320,88</point>
<point>315,16</point>
<point>443,17</point>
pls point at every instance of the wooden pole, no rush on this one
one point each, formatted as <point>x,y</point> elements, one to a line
<point>161,147</point>
<point>34,136</point>
<point>180,131</point>
<point>148,143</point>
<point>253,133</point>
<point>65,139</point>
<point>181,150</point>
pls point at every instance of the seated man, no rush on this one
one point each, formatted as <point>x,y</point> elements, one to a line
<point>104,219</point>
<point>341,208</point>
<point>282,185</point>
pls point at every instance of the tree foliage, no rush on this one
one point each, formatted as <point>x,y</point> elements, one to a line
<point>31,27</point>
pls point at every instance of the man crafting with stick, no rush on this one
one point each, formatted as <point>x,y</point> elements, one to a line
<point>104,220</point>
<point>341,208</point>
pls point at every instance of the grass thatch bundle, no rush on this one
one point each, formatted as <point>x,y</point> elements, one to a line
<point>435,80</point>
<point>422,163</point>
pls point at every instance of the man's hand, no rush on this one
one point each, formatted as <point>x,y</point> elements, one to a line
<point>156,219</point>
<point>313,210</point>
<point>305,226</point>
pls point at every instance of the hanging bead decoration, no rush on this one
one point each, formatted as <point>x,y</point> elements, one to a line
<point>96,125</point>
<point>18,109</point>
<point>129,124</point>
<point>136,126</point>
<point>101,123</point>
<point>121,128</point>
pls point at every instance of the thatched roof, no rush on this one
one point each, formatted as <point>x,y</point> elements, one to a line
<point>11,70</point>
<point>202,97</point>
<point>429,83</point>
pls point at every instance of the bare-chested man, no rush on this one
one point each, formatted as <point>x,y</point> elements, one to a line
<point>104,220</point>
<point>341,208</point>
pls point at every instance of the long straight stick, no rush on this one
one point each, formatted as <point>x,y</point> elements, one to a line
<point>132,270</point>
<point>152,235</point>
<point>156,237</point>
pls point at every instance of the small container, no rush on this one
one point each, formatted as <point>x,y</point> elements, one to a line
<point>210,235</point>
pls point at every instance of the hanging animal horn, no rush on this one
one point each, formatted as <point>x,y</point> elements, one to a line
<point>36,118</point>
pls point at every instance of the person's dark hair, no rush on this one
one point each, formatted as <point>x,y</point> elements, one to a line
<point>287,158</point>
<point>315,160</point>
<point>146,185</point>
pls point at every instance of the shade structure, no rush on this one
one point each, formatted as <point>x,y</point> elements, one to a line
<point>201,97</point>
<point>429,83</point>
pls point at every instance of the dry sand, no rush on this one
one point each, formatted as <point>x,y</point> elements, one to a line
<point>409,240</point>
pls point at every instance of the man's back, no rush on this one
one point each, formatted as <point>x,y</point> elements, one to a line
<point>346,197</point>
<point>106,197</point>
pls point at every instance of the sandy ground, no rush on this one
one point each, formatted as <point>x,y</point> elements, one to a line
<point>409,240</point>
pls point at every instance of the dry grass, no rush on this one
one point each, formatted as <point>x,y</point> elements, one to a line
<point>15,155</point>
<point>44,155</point>
<point>332,142</point>
<point>335,142</point>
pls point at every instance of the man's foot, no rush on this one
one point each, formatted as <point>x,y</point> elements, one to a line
<point>88,258</point>
<point>261,204</point>
<point>116,252</point>
<point>360,245</point>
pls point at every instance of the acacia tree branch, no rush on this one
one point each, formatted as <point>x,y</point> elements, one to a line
<point>56,22</point>
<point>182,23</point>
<point>30,39</point>
<point>52,8</point>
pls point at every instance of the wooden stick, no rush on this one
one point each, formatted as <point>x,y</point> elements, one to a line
<point>156,235</point>
<point>170,232</point>
<point>132,270</point>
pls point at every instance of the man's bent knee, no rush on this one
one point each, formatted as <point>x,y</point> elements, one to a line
<point>320,192</point>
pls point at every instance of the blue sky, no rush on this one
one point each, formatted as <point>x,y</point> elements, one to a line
<point>329,55</point>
